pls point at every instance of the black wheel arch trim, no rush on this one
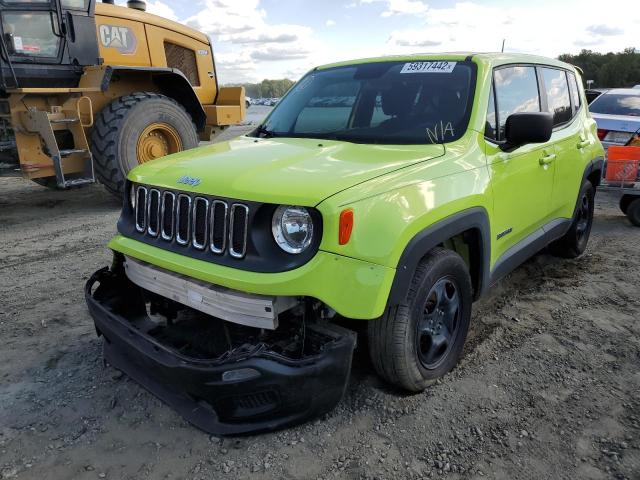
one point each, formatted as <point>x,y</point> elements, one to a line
<point>171,83</point>
<point>475,218</point>
<point>595,165</point>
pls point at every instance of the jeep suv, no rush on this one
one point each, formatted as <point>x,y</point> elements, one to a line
<point>390,190</point>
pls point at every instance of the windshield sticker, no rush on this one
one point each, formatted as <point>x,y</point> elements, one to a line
<point>428,67</point>
<point>440,131</point>
<point>17,44</point>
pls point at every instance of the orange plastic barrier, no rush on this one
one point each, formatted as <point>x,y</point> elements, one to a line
<point>622,164</point>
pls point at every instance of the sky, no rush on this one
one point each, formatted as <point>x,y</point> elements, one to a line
<point>257,39</point>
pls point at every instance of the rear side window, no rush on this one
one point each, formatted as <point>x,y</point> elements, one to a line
<point>558,102</point>
<point>575,91</point>
<point>516,91</point>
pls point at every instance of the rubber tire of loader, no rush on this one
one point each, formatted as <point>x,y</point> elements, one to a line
<point>633,212</point>
<point>115,135</point>
<point>573,243</point>
<point>394,339</point>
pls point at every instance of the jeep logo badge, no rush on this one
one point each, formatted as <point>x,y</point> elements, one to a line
<point>118,37</point>
<point>187,180</point>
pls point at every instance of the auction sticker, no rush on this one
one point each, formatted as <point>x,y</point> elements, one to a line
<point>17,44</point>
<point>428,67</point>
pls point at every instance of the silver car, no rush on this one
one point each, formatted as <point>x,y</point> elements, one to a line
<point>617,113</point>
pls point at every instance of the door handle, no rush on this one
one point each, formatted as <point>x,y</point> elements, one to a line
<point>583,143</point>
<point>547,159</point>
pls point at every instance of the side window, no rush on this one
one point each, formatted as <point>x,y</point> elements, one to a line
<point>575,91</point>
<point>555,83</point>
<point>490,126</point>
<point>516,91</point>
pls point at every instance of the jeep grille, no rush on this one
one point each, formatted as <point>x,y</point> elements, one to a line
<point>192,221</point>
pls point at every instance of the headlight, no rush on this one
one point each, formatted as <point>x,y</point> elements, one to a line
<point>292,228</point>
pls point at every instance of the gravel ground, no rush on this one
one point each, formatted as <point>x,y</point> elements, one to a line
<point>549,385</point>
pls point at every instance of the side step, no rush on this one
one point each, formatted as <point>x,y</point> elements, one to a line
<point>67,117</point>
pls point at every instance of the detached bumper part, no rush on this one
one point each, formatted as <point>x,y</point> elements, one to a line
<point>247,389</point>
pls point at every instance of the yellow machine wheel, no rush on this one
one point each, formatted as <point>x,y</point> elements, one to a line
<point>156,141</point>
<point>135,129</point>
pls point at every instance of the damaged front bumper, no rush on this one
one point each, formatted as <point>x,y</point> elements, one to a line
<point>225,379</point>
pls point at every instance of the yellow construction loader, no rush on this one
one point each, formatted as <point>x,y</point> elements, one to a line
<point>91,90</point>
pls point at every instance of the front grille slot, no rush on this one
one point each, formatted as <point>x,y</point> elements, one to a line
<point>183,219</point>
<point>238,230</point>
<point>153,212</point>
<point>168,215</point>
<point>219,213</point>
<point>199,228</point>
<point>141,209</point>
<point>192,221</point>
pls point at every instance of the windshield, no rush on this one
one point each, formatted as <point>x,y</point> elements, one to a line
<point>616,104</point>
<point>386,102</point>
<point>30,34</point>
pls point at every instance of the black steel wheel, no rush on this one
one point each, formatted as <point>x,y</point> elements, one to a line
<point>421,339</point>
<point>439,325</point>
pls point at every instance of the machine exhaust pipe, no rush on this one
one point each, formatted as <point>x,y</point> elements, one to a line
<point>137,5</point>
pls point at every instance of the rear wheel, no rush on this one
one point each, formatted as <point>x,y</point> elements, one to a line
<point>136,129</point>
<point>574,242</point>
<point>419,341</point>
<point>633,212</point>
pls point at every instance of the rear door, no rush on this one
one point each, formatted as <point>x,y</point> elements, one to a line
<point>569,137</point>
<point>522,180</point>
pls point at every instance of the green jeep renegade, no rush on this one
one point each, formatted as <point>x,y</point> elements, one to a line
<point>390,190</point>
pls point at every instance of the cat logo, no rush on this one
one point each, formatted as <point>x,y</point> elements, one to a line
<point>120,38</point>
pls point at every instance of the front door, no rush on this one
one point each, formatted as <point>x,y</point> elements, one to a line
<point>522,180</point>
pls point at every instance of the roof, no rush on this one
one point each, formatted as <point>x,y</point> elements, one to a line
<point>132,14</point>
<point>489,59</point>
<point>623,91</point>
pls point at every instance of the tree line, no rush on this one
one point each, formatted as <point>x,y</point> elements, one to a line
<point>267,88</point>
<point>613,70</point>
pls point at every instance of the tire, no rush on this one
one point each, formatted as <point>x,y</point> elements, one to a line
<point>573,243</point>
<point>119,127</point>
<point>411,360</point>
<point>625,200</point>
<point>633,212</point>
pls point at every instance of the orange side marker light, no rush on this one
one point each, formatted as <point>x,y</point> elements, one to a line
<point>346,226</point>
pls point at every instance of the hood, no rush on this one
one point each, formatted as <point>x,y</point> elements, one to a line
<point>282,170</point>
<point>618,123</point>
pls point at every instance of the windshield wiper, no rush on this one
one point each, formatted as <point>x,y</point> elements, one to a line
<point>265,132</point>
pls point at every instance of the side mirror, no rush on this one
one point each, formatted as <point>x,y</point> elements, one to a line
<point>527,127</point>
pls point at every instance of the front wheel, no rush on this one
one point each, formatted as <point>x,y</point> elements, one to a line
<point>135,129</point>
<point>419,341</point>
<point>574,242</point>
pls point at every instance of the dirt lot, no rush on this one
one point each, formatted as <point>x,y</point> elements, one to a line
<point>549,386</point>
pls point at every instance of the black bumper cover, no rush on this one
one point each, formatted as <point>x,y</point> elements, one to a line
<point>277,392</point>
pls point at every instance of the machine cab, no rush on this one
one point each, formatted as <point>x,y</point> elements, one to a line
<point>45,43</point>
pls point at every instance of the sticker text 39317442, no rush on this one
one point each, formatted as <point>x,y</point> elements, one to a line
<point>428,67</point>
